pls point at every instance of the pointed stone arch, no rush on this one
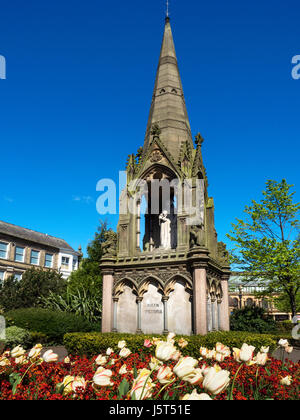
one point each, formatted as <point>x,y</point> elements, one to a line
<point>143,287</point>
<point>178,277</point>
<point>119,285</point>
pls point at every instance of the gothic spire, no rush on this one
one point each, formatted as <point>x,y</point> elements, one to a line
<point>168,108</point>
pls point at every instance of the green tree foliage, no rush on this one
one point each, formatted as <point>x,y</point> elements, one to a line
<point>84,291</point>
<point>9,297</point>
<point>282,303</point>
<point>252,319</point>
<point>88,277</point>
<point>35,283</point>
<point>267,249</point>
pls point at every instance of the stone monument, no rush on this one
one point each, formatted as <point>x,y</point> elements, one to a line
<point>165,271</point>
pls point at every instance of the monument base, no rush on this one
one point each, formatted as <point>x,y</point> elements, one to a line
<point>154,294</point>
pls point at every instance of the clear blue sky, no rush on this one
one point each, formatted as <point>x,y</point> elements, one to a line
<point>79,83</point>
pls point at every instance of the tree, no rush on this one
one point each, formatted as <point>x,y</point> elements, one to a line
<point>267,248</point>
<point>88,277</point>
<point>282,303</point>
<point>252,319</point>
<point>9,298</point>
<point>35,283</point>
<point>94,248</point>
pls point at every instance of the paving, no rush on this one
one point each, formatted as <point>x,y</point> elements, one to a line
<point>294,357</point>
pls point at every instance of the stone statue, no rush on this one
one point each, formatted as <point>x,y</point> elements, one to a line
<point>197,236</point>
<point>109,247</point>
<point>165,230</point>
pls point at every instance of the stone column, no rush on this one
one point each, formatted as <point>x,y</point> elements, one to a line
<point>200,300</point>
<point>115,317</point>
<point>209,314</point>
<point>224,307</point>
<point>165,301</point>
<point>139,309</point>
<point>219,314</point>
<point>138,226</point>
<point>216,316</point>
<point>213,313</point>
<point>107,302</point>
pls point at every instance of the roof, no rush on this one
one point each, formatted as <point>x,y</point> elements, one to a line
<point>33,236</point>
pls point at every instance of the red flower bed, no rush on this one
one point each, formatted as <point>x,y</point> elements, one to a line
<point>41,381</point>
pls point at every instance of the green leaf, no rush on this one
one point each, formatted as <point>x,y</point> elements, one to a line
<point>59,389</point>
<point>15,379</point>
<point>123,388</point>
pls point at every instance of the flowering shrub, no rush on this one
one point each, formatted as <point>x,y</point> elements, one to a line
<point>163,374</point>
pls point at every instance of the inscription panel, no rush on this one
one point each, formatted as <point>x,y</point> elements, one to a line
<point>152,311</point>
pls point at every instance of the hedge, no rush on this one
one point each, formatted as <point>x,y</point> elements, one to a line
<point>91,344</point>
<point>53,324</point>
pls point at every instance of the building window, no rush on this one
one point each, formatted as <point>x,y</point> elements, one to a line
<point>35,257</point>
<point>19,255</point>
<point>18,276</point>
<point>74,264</point>
<point>235,303</point>
<point>48,260</point>
<point>250,303</point>
<point>2,273</point>
<point>3,250</point>
<point>65,261</point>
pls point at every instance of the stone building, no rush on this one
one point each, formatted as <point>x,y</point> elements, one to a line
<point>21,249</point>
<point>165,270</point>
<point>242,295</point>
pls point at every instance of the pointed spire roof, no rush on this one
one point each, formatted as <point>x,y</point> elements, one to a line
<point>168,108</point>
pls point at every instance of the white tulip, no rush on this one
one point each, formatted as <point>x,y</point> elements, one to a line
<point>125,352</point>
<point>123,370</point>
<point>216,382</point>
<point>101,360</point>
<point>164,351</point>
<point>283,343</point>
<point>35,351</point>
<point>165,375</point>
<point>17,352</point>
<point>185,368</point>
<point>121,344</point>
<point>78,382</point>
<point>50,356</point>
<point>194,396</point>
<point>102,377</point>
<point>287,381</point>
<point>261,359</point>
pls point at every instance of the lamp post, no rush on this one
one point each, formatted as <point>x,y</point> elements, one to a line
<point>241,296</point>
